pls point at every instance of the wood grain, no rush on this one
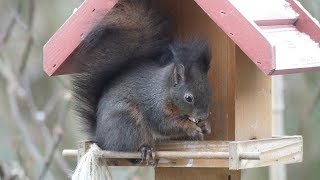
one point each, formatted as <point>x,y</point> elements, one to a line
<point>282,150</point>
<point>191,19</point>
<point>196,174</point>
<point>253,100</point>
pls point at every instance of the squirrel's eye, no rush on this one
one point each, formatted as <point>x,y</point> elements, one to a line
<point>188,98</point>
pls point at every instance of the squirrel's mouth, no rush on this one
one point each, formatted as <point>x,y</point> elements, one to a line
<point>193,120</point>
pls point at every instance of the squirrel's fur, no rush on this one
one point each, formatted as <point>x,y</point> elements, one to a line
<point>136,80</point>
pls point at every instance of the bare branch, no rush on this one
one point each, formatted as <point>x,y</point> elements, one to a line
<point>53,101</point>
<point>15,111</point>
<point>12,22</point>
<point>31,13</point>
<point>20,122</point>
<point>50,155</point>
<point>20,89</point>
<point>314,102</point>
<point>25,27</point>
<point>30,41</point>
<point>308,111</point>
<point>41,119</point>
<point>12,170</point>
<point>58,137</point>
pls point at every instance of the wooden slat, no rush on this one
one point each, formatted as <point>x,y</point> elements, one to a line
<point>194,146</point>
<point>294,50</point>
<point>267,12</point>
<point>274,22</point>
<point>282,150</point>
<point>196,174</point>
<point>252,100</point>
<point>61,45</point>
<point>306,23</point>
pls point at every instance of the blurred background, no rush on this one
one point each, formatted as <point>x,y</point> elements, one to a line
<point>36,120</point>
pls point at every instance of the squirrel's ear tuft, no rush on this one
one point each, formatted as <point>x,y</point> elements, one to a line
<point>205,55</point>
<point>179,74</point>
<point>205,59</point>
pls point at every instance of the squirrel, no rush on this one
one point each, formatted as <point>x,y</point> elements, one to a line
<point>139,86</point>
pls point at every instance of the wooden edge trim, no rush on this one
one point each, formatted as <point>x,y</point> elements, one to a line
<point>244,33</point>
<point>306,23</point>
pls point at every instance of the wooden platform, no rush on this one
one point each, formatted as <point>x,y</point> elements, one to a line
<point>234,155</point>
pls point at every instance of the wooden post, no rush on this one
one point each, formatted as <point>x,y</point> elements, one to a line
<point>241,92</point>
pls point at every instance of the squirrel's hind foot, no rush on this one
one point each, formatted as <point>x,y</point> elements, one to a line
<point>147,154</point>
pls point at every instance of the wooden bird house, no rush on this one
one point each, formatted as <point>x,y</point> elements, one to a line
<point>251,40</point>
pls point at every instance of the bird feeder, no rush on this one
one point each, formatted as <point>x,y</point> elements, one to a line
<point>251,41</point>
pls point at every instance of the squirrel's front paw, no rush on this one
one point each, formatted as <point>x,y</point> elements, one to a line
<point>205,126</point>
<point>195,134</point>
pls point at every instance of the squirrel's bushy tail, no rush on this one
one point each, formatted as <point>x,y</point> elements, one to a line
<point>132,30</point>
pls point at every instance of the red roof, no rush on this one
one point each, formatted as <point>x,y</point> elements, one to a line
<point>279,40</point>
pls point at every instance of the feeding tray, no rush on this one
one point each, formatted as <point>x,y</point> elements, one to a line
<point>234,155</point>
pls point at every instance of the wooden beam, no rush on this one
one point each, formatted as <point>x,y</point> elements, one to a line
<point>283,150</point>
<point>253,100</point>
<point>196,174</point>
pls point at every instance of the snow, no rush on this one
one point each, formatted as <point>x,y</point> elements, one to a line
<point>294,49</point>
<point>265,9</point>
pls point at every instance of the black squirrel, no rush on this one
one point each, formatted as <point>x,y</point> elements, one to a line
<point>139,86</point>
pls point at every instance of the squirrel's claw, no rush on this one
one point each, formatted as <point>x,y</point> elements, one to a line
<point>147,154</point>
<point>205,126</point>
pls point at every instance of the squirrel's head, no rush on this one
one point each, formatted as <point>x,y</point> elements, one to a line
<point>190,92</point>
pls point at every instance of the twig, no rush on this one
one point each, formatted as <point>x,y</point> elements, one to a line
<point>52,102</point>
<point>27,50</point>
<point>37,115</point>
<point>12,22</point>
<point>31,13</point>
<point>50,156</point>
<point>314,103</point>
<point>15,111</point>
<point>20,122</point>
<point>25,27</point>
<point>12,88</point>
<point>40,121</point>
<point>62,122</point>
<point>19,87</point>
<point>307,113</point>
<point>63,165</point>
